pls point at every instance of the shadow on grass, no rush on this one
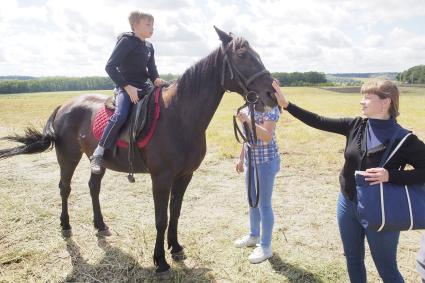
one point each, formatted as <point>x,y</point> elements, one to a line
<point>291,272</point>
<point>118,266</point>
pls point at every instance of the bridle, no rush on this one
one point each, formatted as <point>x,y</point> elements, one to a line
<point>249,96</point>
<point>251,99</point>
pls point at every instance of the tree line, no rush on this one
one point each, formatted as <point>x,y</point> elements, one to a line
<point>301,79</point>
<point>55,84</point>
<point>414,75</point>
<point>46,84</point>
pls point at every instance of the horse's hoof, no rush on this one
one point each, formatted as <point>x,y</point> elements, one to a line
<point>66,233</point>
<point>163,275</point>
<point>104,233</point>
<point>179,256</point>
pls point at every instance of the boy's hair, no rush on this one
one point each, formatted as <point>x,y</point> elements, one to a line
<point>384,89</point>
<point>136,16</point>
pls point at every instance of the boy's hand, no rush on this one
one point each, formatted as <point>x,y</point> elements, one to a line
<point>159,82</point>
<point>132,92</point>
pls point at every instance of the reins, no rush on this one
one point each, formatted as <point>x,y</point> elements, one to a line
<point>250,139</point>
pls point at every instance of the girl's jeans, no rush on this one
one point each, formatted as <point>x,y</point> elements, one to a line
<point>262,216</point>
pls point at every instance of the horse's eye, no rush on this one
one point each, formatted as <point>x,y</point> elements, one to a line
<point>242,55</point>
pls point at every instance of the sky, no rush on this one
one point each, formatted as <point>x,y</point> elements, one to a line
<point>76,38</point>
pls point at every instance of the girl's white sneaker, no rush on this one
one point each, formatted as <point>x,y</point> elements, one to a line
<point>246,241</point>
<point>260,254</point>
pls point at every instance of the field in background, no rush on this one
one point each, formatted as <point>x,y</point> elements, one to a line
<point>214,212</point>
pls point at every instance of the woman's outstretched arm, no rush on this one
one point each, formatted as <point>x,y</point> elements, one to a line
<point>334,125</point>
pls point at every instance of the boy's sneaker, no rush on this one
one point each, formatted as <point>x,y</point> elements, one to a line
<point>96,164</point>
<point>260,254</point>
<point>246,241</point>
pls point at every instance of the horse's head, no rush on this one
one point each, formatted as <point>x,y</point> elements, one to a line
<point>243,72</point>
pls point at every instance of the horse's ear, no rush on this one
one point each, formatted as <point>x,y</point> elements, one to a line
<point>224,37</point>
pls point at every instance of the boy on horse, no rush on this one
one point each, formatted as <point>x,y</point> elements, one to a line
<point>131,66</point>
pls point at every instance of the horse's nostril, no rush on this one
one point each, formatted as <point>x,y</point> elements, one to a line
<point>269,94</point>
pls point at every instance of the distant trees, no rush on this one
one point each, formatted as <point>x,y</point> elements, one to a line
<point>2,78</point>
<point>414,75</point>
<point>169,77</point>
<point>54,84</point>
<point>300,79</point>
<point>19,84</point>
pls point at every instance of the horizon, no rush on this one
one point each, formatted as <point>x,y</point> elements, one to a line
<point>60,38</point>
<point>3,76</point>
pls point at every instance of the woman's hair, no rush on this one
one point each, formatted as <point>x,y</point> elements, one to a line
<point>136,16</point>
<point>384,89</point>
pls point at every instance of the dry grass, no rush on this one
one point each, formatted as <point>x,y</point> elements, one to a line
<point>214,211</point>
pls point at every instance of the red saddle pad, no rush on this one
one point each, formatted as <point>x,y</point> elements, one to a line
<point>103,115</point>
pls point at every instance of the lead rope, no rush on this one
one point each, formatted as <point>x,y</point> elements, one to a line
<point>250,140</point>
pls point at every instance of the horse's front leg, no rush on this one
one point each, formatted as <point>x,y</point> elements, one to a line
<point>177,192</point>
<point>94,185</point>
<point>161,186</point>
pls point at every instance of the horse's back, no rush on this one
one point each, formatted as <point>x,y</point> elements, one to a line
<point>73,121</point>
<point>86,104</point>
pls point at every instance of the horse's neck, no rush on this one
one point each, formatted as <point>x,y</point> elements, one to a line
<point>197,109</point>
<point>204,107</point>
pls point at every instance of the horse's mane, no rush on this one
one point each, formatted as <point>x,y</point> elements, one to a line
<point>205,70</point>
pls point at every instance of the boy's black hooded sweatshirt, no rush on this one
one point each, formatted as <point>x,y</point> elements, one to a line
<point>132,61</point>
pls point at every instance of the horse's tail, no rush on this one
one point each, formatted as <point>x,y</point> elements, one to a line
<point>34,141</point>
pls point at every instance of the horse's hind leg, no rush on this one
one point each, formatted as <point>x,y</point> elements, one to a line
<point>68,161</point>
<point>94,185</point>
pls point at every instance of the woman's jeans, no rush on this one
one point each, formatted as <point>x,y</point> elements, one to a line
<point>420,260</point>
<point>383,245</point>
<point>263,214</point>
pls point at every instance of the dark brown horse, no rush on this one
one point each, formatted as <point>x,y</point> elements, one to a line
<point>177,147</point>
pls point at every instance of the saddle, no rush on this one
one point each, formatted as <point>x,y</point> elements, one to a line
<point>134,128</point>
<point>139,127</point>
<point>140,113</point>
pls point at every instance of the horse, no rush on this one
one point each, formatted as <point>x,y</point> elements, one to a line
<point>176,149</point>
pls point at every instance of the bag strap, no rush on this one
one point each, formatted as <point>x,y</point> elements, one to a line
<point>387,156</point>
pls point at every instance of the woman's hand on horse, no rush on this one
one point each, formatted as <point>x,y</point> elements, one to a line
<point>132,92</point>
<point>281,99</point>
<point>376,175</point>
<point>239,166</point>
<point>159,82</point>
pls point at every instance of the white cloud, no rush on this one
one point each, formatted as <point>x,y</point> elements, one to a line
<point>2,57</point>
<point>331,38</point>
<point>374,40</point>
<point>75,38</point>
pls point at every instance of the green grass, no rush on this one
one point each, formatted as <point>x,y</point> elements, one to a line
<point>294,137</point>
<point>214,211</point>
<point>19,110</point>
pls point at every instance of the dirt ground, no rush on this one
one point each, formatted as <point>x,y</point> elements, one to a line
<point>214,214</point>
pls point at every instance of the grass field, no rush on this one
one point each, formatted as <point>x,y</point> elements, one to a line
<point>214,211</point>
